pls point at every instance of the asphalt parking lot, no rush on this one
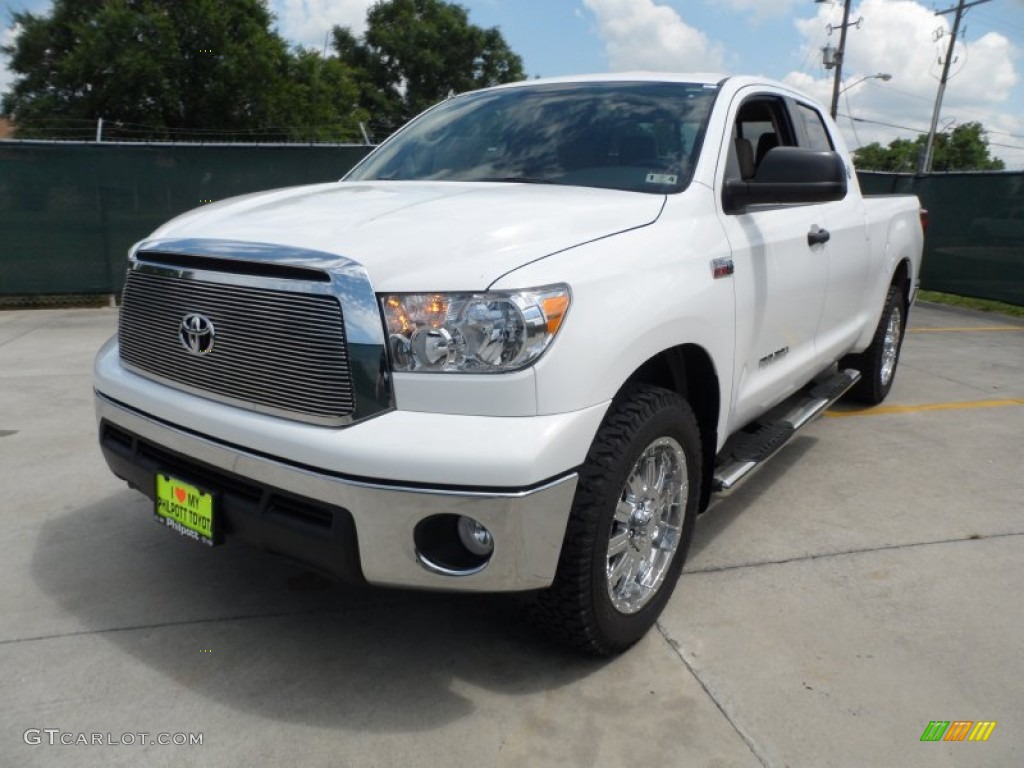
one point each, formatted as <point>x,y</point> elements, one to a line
<point>864,584</point>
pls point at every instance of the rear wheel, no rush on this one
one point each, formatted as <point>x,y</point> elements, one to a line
<point>877,363</point>
<point>630,526</point>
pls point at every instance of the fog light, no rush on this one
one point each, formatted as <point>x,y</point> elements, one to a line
<point>475,537</point>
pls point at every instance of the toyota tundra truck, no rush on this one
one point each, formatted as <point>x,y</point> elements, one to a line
<point>519,347</point>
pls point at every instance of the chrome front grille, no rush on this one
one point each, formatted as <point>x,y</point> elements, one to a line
<point>275,351</point>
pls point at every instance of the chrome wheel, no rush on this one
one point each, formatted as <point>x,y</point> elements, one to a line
<point>632,519</point>
<point>647,526</point>
<point>891,345</point>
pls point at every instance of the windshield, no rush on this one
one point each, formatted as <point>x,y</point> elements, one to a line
<point>637,136</point>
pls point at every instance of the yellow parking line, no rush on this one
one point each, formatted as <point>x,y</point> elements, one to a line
<point>886,409</point>
<point>968,329</point>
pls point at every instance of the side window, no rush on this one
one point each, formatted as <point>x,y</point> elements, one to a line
<point>817,136</point>
<point>761,125</point>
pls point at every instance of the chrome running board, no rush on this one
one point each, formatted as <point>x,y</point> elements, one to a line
<point>747,451</point>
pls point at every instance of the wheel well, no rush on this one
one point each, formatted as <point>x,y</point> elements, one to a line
<point>688,371</point>
<point>901,278</point>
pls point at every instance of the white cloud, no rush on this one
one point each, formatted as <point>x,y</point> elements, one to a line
<point>1006,139</point>
<point>896,37</point>
<point>307,22</point>
<point>642,35</point>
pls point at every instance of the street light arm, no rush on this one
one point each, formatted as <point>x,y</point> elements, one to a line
<point>883,76</point>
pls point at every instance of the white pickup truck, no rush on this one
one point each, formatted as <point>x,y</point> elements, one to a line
<point>518,347</point>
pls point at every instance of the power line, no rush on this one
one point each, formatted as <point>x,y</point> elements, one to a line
<point>853,125</point>
<point>921,132</point>
<point>960,110</point>
<point>887,125</point>
<point>1006,146</point>
<point>1004,133</point>
<point>813,51</point>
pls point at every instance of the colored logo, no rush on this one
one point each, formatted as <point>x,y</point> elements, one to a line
<point>197,333</point>
<point>958,730</point>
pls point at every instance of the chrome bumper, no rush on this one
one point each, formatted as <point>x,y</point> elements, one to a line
<point>528,526</point>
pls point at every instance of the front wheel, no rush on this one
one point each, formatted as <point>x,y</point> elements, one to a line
<point>630,526</point>
<point>877,363</point>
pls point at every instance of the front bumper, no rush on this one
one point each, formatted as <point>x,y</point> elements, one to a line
<point>351,528</point>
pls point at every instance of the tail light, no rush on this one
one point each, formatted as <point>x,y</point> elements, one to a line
<point>924,219</point>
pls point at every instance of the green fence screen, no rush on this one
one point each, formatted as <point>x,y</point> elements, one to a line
<point>974,245</point>
<point>69,212</point>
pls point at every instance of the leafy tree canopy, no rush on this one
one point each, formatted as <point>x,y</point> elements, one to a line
<point>217,69</point>
<point>416,52</point>
<point>965,149</point>
<point>160,67</point>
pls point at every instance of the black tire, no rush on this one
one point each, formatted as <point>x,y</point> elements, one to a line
<point>578,608</point>
<point>877,375</point>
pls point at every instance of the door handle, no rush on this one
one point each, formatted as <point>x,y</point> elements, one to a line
<point>818,236</point>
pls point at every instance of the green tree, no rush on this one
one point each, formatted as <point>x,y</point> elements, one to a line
<point>965,149</point>
<point>321,101</point>
<point>167,68</point>
<point>415,52</point>
<point>899,157</point>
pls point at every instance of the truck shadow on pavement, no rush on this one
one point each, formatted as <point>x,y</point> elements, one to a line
<point>250,631</point>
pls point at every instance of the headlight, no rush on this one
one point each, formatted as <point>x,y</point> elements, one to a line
<point>472,332</point>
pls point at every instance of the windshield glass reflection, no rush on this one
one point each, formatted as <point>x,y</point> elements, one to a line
<point>638,136</point>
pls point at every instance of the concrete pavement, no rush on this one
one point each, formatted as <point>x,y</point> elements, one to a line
<point>865,583</point>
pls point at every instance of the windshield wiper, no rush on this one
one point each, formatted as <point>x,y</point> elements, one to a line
<point>520,180</point>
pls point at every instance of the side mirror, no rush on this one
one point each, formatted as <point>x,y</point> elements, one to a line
<point>789,175</point>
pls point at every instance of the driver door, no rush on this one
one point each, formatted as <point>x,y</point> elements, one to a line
<point>780,279</point>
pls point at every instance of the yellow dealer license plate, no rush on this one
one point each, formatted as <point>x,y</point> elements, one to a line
<point>185,509</point>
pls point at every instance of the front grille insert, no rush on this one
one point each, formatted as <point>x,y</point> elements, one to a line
<point>275,351</point>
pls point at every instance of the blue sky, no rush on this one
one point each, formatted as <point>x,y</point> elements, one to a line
<point>776,38</point>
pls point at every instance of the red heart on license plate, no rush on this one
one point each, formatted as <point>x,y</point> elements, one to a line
<point>180,493</point>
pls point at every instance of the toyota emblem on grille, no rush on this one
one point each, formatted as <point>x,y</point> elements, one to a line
<point>197,334</point>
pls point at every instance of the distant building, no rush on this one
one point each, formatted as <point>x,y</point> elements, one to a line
<point>6,128</point>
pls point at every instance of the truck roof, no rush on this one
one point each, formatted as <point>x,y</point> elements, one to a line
<point>699,78</point>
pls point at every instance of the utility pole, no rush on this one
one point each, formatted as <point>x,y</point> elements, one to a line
<point>836,59</point>
<point>839,59</point>
<point>929,151</point>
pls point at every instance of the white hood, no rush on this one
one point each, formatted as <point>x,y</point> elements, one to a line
<point>424,236</point>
